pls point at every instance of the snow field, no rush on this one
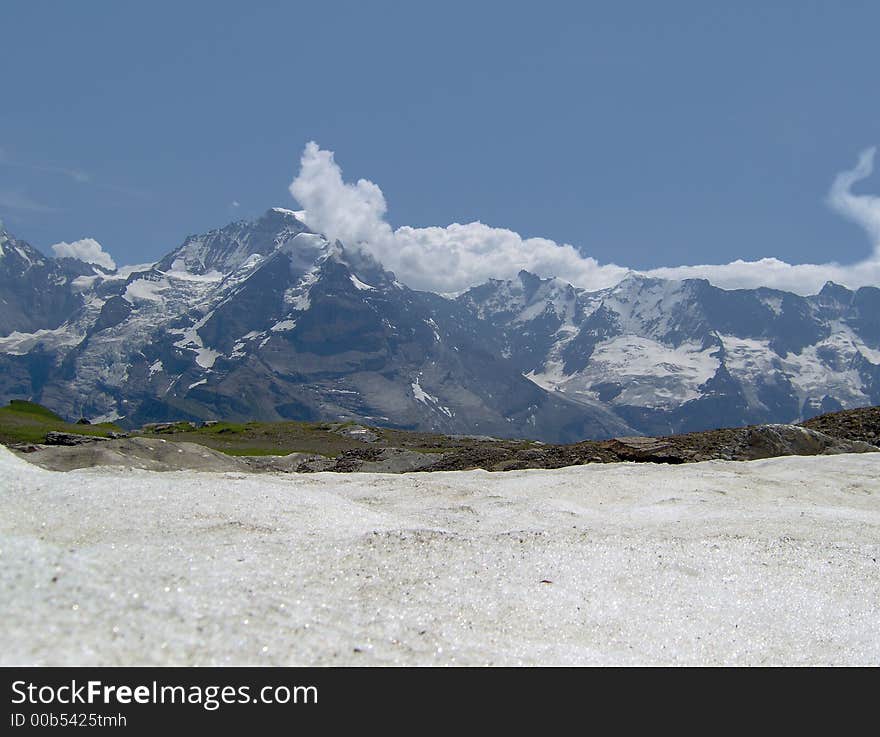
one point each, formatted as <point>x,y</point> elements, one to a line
<point>770,561</point>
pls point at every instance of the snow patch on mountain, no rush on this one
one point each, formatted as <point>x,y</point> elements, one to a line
<point>652,374</point>
<point>358,284</point>
<point>823,369</point>
<point>112,416</point>
<point>191,340</point>
<point>283,326</point>
<point>20,344</point>
<point>148,290</point>
<point>297,296</point>
<point>430,401</point>
<point>646,305</point>
<point>434,328</point>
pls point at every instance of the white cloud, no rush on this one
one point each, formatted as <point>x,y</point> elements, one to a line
<point>353,213</point>
<point>864,210</point>
<point>771,272</point>
<point>861,209</point>
<point>235,203</point>
<point>461,255</point>
<point>87,250</point>
<point>439,259</point>
<point>452,258</point>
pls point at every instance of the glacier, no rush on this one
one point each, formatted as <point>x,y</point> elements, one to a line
<point>771,562</point>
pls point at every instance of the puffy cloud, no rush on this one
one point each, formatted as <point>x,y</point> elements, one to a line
<point>352,213</point>
<point>439,259</point>
<point>458,256</point>
<point>87,250</point>
<point>452,258</point>
<point>771,272</point>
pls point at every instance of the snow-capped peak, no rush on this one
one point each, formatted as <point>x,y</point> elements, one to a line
<point>298,214</point>
<point>224,250</point>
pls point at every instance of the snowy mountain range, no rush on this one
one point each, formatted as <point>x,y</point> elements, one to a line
<point>268,320</point>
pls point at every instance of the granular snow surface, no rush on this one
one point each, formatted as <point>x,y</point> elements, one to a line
<point>765,562</point>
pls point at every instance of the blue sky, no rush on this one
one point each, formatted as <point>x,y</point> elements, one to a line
<point>646,134</point>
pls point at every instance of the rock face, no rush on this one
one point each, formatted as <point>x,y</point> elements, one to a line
<point>146,453</point>
<point>643,449</point>
<point>157,454</point>
<point>378,455</point>
<point>770,441</point>
<point>37,292</point>
<point>862,425</point>
<point>679,356</point>
<point>53,437</point>
<point>738,444</point>
<point>268,320</point>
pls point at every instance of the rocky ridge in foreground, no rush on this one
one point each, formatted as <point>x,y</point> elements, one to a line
<point>369,450</point>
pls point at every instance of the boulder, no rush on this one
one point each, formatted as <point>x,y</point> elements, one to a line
<point>54,437</point>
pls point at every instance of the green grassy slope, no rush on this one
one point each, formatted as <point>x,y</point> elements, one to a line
<point>26,422</point>
<point>329,439</point>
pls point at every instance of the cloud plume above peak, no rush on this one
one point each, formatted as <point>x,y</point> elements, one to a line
<point>442,259</point>
<point>454,257</point>
<point>352,213</point>
<point>87,250</point>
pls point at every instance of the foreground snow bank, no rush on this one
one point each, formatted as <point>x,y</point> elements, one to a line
<point>763,562</point>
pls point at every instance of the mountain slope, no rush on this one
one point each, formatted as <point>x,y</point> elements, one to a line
<point>36,292</point>
<point>271,321</point>
<point>268,320</point>
<point>675,356</point>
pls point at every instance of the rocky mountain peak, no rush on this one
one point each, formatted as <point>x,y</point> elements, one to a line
<point>266,319</point>
<point>832,292</point>
<point>225,249</point>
